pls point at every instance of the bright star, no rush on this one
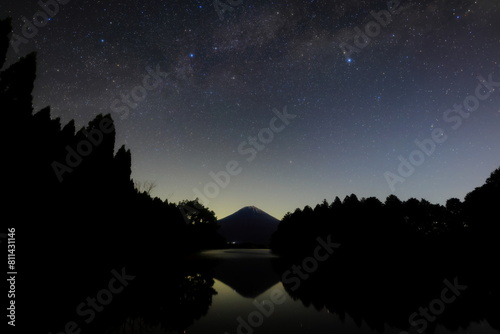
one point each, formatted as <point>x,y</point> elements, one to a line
<point>191,55</point>
<point>349,60</point>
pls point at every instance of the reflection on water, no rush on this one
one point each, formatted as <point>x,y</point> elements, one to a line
<point>165,304</point>
<point>229,310</point>
<point>247,271</point>
<point>233,313</point>
<point>241,291</point>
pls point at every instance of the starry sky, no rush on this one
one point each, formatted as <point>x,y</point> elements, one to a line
<point>286,102</point>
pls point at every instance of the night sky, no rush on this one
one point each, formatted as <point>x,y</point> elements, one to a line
<point>353,94</point>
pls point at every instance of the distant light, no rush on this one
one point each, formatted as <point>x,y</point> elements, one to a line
<point>349,60</point>
<point>102,40</point>
<point>458,16</point>
<point>191,55</point>
<point>200,6</point>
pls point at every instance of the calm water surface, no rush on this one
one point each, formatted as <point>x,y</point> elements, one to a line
<point>245,278</point>
<point>245,291</point>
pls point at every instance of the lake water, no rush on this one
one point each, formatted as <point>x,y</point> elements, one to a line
<point>251,298</point>
<point>243,291</point>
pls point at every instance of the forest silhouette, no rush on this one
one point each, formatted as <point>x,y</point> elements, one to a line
<point>394,256</point>
<point>78,215</point>
<point>76,182</point>
<point>396,229</point>
<point>75,208</point>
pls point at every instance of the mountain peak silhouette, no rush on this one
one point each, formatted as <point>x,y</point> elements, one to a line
<point>248,225</point>
<point>251,210</point>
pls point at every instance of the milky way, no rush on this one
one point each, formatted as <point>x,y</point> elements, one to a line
<point>381,97</point>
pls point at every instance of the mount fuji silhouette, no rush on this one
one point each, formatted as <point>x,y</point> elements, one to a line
<point>249,225</point>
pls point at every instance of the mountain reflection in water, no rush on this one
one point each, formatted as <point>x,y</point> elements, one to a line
<point>234,291</point>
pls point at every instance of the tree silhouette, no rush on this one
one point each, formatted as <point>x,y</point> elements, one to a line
<point>145,187</point>
<point>202,223</point>
<point>413,227</point>
<point>74,201</point>
<point>198,214</point>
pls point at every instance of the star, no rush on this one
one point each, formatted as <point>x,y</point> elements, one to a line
<point>223,79</point>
